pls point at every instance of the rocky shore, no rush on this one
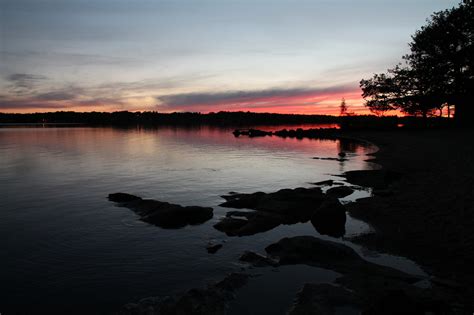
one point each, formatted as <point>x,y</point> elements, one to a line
<point>421,208</point>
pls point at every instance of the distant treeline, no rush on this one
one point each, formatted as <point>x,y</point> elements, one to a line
<point>242,119</point>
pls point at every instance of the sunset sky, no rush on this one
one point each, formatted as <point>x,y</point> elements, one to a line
<point>189,55</point>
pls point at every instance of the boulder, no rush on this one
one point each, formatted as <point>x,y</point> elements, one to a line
<point>209,301</point>
<point>257,260</point>
<point>213,248</point>
<point>330,218</point>
<point>163,214</point>
<point>339,191</point>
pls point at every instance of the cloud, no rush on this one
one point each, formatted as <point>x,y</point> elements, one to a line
<point>258,98</point>
<point>21,83</point>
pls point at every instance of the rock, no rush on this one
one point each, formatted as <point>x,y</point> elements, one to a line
<point>212,300</point>
<point>314,251</point>
<point>123,197</point>
<point>256,222</point>
<point>213,248</point>
<point>230,226</point>
<point>163,214</point>
<point>286,206</point>
<point>342,154</point>
<point>328,182</point>
<point>379,179</point>
<point>330,218</point>
<point>257,260</point>
<point>298,202</point>
<point>339,192</point>
<point>323,299</point>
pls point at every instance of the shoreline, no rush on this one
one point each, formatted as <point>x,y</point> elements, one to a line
<point>424,213</point>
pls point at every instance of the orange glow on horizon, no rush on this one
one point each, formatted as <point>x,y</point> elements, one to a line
<point>304,103</point>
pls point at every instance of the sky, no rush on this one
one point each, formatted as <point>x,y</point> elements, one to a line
<point>282,56</point>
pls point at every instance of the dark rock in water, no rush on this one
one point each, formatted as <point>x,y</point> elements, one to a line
<point>257,260</point>
<point>330,159</point>
<point>257,222</point>
<point>323,299</point>
<point>342,154</point>
<point>286,206</point>
<point>213,248</point>
<point>163,214</point>
<point>313,251</point>
<point>251,133</point>
<point>298,202</point>
<point>210,301</point>
<point>377,178</point>
<point>328,182</point>
<point>330,218</point>
<point>339,192</point>
<point>316,252</point>
<point>230,226</point>
<point>123,197</point>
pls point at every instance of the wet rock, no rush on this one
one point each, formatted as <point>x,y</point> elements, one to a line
<point>286,206</point>
<point>298,202</point>
<point>330,159</point>
<point>330,218</point>
<point>328,182</point>
<point>230,225</point>
<point>379,179</point>
<point>213,248</point>
<point>323,299</point>
<point>212,300</point>
<point>163,214</point>
<point>257,260</point>
<point>340,191</point>
<point>256,222</point>
<point>313,251</point>
<point>123,197</point>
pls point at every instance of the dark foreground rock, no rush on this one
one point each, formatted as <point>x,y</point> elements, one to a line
<point>340,191</point>
<point>257,260</point>
<point>330,218</point>
<point>366,287</point>
<point>323,299</point>
<point>213,248</point>
<point>379,179</point>
<point>163,214</point>
<point>286,206</point>
<point>210,301</point>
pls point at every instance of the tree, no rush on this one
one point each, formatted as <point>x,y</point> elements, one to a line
<point>438,69</point>
<point>343,107</point>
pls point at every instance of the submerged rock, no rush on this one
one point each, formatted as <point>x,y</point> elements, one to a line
<point>257,260</point>
<point>323,299</point>
<point>330,218</point>
<point>210,301</point>
<point>163,214</point>
<point>213,248</point>
<point>256,222</point>
<point>339,192</point>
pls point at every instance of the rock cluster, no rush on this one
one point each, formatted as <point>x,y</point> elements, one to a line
<point>163,214</point>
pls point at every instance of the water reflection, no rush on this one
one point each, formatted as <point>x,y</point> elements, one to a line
<point>70,247</point>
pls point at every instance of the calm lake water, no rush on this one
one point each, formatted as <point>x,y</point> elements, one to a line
<point>66,248</point>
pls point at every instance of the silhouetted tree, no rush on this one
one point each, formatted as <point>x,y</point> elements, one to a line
<point>343,107</point>
<point>438,69</point>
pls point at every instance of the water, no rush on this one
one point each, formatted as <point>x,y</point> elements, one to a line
<point>66,248</point>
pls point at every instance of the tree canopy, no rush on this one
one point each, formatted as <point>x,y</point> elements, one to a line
<point>438,69</point>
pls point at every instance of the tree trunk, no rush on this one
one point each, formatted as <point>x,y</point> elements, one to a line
<point>464,112</point>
